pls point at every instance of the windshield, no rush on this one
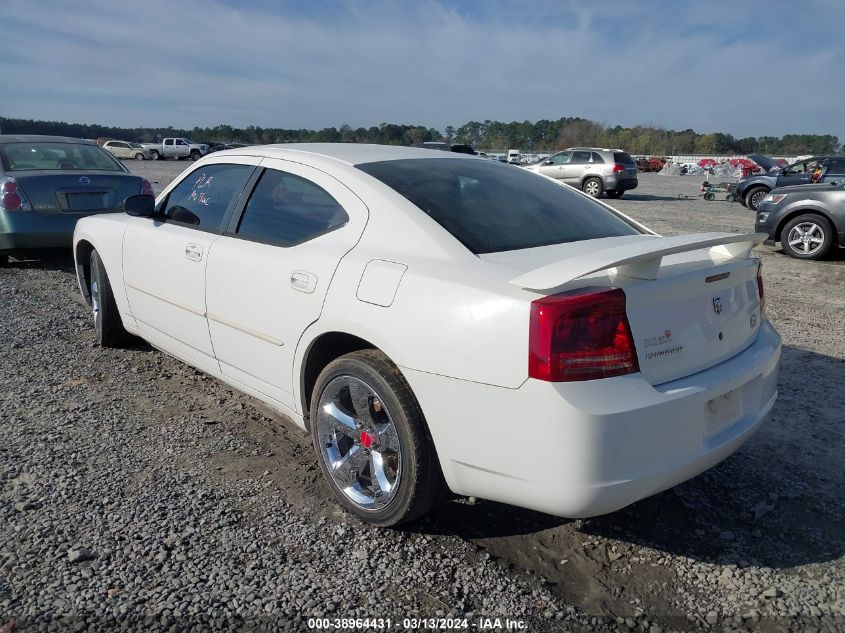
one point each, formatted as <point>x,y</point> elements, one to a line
<point>491,207</point>
<point>56,156</point>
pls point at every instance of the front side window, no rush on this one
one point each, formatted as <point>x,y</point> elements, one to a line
<point>203,197</point>
<point>560,159</point>
<point>490,207</point>
<point>285,209</point>
<point>59,156</point>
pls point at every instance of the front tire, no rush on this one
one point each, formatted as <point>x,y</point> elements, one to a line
<point>372,441</point>
<point>808,236</point>
<point>107,324</point>
<point>593,187</point>
<point>156,155</point>
<point>139,156</point>
<point>755,196</point>
<point>195,155</point>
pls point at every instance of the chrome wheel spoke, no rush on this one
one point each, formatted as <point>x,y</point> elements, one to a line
<point>379,477</point>
<point>340,421</point>
<point>795,242</point>
<point>387,438</point>
<point>361,398</point>
<point>348,467</point>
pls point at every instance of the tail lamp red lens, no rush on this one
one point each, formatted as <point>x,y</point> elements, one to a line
<point>581,335</point>
<point>761,291</point>
<point>618,169</point>
<point>11,197</point>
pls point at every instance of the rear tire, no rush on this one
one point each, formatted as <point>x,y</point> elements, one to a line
<point>108,326</point>
<point>709,197</point>
<point>375,450</point>
<point>4,260</point>
<point>614,193</point>
<point>807,236</point>
<point>730,198</point>
<point>139,156</point>
<point>593,187</point>
<point>755,196</point>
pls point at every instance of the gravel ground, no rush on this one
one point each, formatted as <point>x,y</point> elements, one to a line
<point>138,493</point>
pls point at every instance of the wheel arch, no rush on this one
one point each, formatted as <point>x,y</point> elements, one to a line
<point>793,213</point>
<point>82,259</point>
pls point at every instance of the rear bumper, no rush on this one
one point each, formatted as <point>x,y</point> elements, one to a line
<point>621,184</point>
<point>589,448</point>
<point>25,230</point>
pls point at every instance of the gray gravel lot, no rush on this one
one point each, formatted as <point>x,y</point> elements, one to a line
<point>137,493</point>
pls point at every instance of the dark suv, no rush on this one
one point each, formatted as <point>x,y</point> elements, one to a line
<point>750,191</point>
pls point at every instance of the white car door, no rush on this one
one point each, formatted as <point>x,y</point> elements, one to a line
<point>268,275</point>
<point>164,259</point>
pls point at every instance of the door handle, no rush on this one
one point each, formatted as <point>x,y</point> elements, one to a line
<point>303,281</point>
<point>193,252</point>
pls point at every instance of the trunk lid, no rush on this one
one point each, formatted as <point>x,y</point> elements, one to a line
<point>692,300</point>
<point>79,192</point>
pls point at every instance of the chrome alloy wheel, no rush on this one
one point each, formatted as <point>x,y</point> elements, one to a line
<point>806,238</point>
<point>358,442</point>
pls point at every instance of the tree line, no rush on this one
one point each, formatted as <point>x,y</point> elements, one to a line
<point>539,136</point>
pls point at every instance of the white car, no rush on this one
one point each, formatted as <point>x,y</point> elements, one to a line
<point>438,321</point>
<point>124,149</point>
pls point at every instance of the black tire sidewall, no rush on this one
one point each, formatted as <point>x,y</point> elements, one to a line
<point>408,432</point>
<point>808,217</point>
<point>751,194</point>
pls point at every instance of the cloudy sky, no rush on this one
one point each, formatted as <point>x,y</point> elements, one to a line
<point>749,68</point>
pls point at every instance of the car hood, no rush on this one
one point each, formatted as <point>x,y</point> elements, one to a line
<point>808,188</point>
<point>764,161</point>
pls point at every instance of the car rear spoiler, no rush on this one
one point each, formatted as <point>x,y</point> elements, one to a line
<point>640,260</point>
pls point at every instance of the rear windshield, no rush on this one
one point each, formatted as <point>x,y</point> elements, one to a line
<point>491,207</point>
<point>624,158</point>
<point>56,156</point>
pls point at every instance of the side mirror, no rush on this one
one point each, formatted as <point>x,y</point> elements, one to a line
<point>142,206</point>
<point>548,162</point>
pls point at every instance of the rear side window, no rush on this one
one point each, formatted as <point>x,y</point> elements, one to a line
<point>580,158</point>
<point>202,198</point>
<point>597,158</point>
<point>836,166</point>
<point>624,158</point>
<point>286,210</point>
<point>491,207</point>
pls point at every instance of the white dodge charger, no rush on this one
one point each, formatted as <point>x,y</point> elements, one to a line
<point>441,322</point>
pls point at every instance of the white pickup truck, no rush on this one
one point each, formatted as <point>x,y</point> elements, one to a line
<point>177,148</point>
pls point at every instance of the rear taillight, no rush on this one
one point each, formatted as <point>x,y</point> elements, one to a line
<point>11,197</point>
<point>760,291</point>
<point>146,188</point>
<point>580,335</point>
<point>618,169</point>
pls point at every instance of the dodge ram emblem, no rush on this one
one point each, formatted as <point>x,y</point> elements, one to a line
<point>717,305</point>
